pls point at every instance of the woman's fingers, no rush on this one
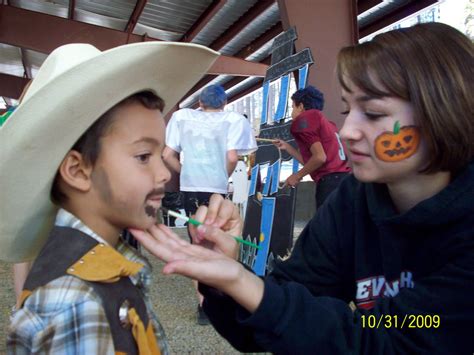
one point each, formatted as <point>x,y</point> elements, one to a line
<point>217,271</point>
<point>194,261</point>
<point>234,224</point>
<point>152,243</point>
<point>169,233</point>
<point>200,216</point>
<point>162,242</point>
<point>224,242</point>
<point>225,214</point>
<point>201,213</point>
<point>215,203</point>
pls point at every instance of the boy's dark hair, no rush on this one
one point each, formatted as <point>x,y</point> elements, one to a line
<point>310,97</point>
<point>89,144</point>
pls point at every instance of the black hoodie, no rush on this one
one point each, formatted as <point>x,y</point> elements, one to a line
<point>411,276</point>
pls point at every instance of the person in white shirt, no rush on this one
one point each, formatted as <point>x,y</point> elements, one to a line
<point>210,141</point>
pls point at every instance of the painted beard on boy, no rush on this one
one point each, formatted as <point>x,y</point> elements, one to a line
<point>152,211</point>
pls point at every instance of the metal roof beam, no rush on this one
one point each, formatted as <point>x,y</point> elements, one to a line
<point>237,67</point>
<point>26,70</point>
<point>205,17</point>
<point>12,86</point>
<point>260,41</point>
<point>236,80</point>
<point>397,15</point>
<point>251,48</point>
<point>137,11</point>
<point>43,33</point>
<point>247,91</point>
<point>71,8</point>
<point>240,24</point>
<point>228,85</point>
<point>364,5</point>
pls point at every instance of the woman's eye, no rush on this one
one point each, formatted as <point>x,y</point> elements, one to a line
<point>143,158</point>
<point>345,113</point>
<point>373,116</point>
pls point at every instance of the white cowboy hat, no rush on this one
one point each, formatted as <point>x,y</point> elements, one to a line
<point>75,85</point>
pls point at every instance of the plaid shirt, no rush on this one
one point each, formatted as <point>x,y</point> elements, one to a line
<point>65,316</point>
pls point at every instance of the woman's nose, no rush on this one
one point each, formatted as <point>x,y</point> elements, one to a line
<point>350,130</point>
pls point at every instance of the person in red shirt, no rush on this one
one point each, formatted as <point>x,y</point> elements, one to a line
<point>319,146</point>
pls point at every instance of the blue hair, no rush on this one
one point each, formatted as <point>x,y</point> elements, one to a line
<point>310,97</point>
<point>213,96</point>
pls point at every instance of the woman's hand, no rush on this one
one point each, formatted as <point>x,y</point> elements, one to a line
<point>207,266</point>
<point>220,215</point>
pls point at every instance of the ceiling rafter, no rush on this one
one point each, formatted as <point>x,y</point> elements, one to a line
<point>71,8</point>
<point>43,33</point>
<point>397,15</point>
<point>260,41</point>
<point>238,79</point>
<point>255,11</point>
<point>364,5</point>
<point>247,91</point>
<point>244,53</point>
<point>137,11</point>
<point>26,71</point>
<point>232,82</point>
<point>205,17</point>
<point>12,86</point>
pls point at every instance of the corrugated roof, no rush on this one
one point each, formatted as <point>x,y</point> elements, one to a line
<point>56,9</point>
<point>256,28</point>
<point>173,16</point>
<point>224,18</point>
<point>380,10</point>
<point>169,20</point>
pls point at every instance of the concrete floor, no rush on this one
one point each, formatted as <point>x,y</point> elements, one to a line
<point>175,303</point>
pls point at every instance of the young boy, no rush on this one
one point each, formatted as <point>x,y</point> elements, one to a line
<point>89,134</point>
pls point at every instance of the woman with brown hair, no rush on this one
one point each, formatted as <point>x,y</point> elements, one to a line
<point>396,238</point>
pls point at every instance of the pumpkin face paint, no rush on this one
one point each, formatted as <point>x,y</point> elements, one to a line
<point>398,145</point>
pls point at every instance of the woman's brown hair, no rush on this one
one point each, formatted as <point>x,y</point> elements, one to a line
<point>431,65</point>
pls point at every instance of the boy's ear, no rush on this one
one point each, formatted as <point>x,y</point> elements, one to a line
<point>75,172</point>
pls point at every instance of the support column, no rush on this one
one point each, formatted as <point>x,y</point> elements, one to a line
<point>325,26</point>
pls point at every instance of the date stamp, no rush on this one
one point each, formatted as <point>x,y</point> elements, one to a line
<point>414,321</point>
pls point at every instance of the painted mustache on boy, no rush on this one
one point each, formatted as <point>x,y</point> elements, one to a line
<point>150,210</point>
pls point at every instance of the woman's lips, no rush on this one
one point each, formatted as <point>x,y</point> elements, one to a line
<point>358,156</point>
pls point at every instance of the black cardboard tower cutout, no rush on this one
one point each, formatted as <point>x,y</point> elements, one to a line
<point>269,218</point>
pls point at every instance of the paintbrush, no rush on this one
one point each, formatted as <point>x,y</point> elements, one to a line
<point>197,223</point>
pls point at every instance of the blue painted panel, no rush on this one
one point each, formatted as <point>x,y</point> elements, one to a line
<point>303,76</point>
<point>296,165</point>
<point>268,212</point>
<point>253,180</point>
<point>275,177</point>
<point>283,99</point>
<point>266,87</point>
<point>266,186</point>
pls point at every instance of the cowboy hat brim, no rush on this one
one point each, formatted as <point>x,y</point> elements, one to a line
<point>57,112</point>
